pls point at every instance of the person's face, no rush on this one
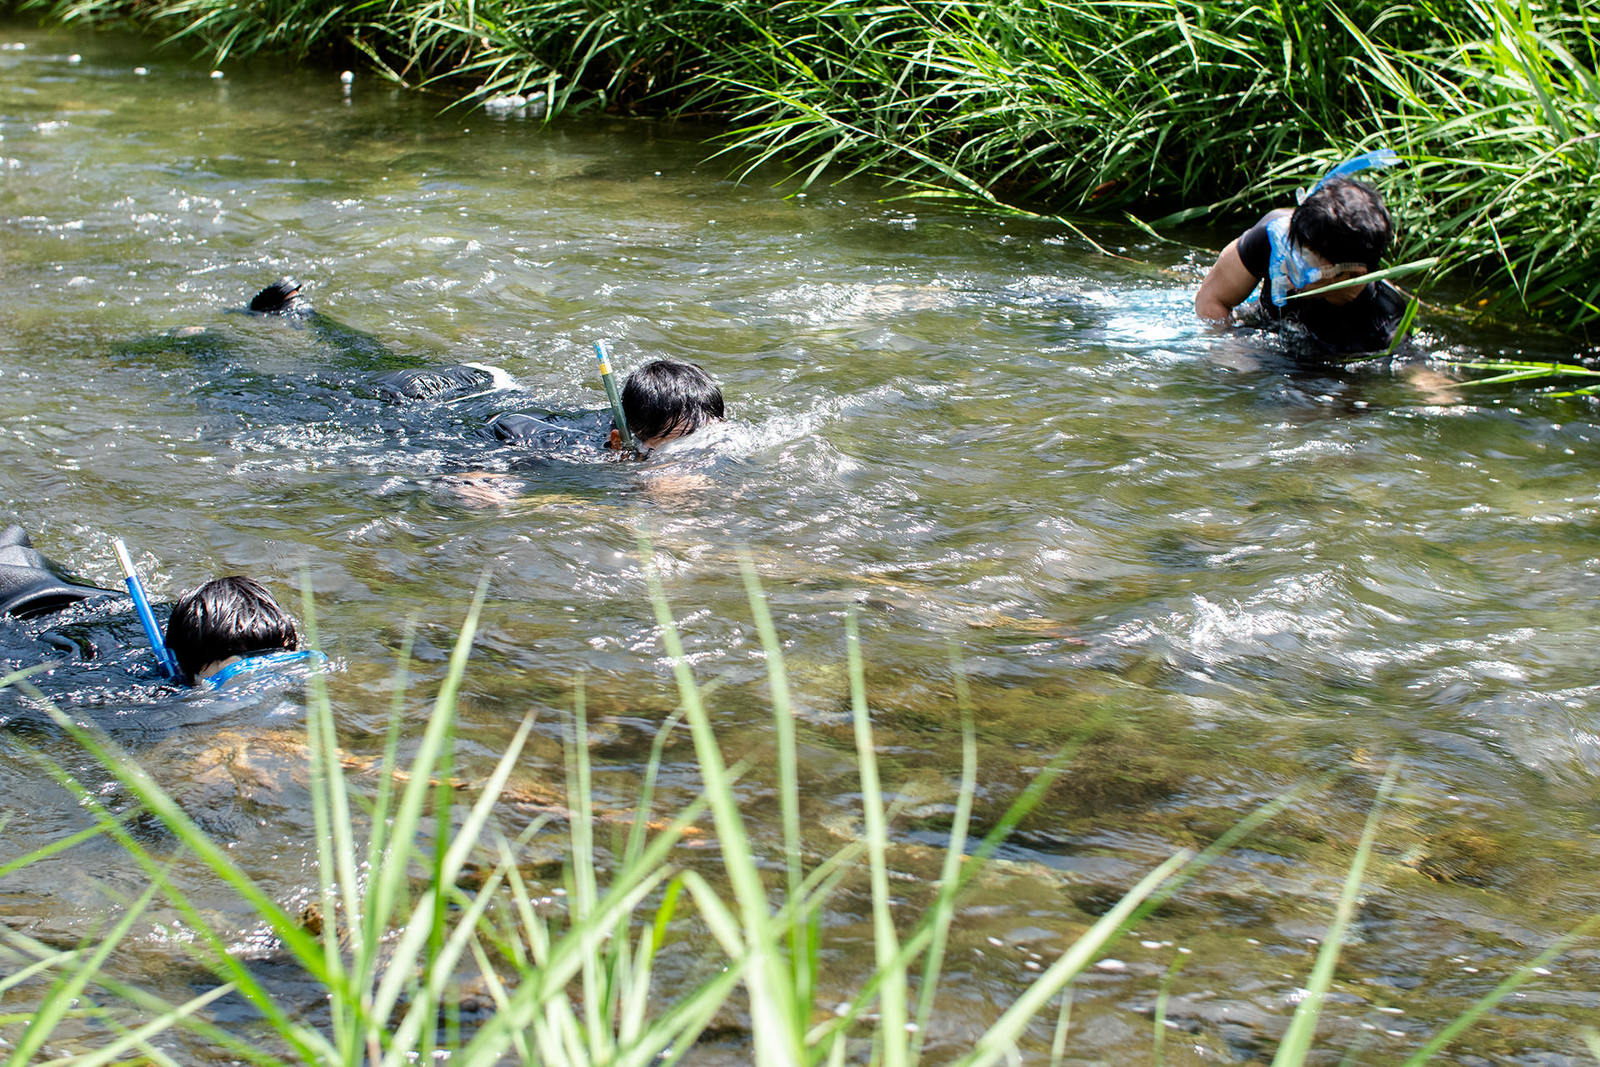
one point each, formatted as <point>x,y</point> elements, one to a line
<point>614,442</point>
<point>1329,273</point>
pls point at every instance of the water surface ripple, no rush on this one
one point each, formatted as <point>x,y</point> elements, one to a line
<point>1222,575</point>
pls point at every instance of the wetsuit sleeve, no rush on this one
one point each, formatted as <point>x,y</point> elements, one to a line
<point>1255,249</point>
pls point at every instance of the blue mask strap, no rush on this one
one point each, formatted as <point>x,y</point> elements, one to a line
<point>1378,157</point>
<point>1278,260</point>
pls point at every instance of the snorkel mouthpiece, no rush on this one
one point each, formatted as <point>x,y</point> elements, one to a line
<point>141,606</point>
<point>614,395</point>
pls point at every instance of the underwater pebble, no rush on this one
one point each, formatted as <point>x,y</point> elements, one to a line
<point>1110,965</point>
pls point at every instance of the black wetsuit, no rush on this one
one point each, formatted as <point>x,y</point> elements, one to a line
<point>549,433</point>
<point>1365,324</point>
<point>65,627</point>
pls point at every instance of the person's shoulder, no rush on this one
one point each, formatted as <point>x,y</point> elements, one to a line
<point>1255,245</point>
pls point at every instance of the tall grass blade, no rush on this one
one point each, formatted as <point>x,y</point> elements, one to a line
<point>886,943</point>
<point>1297,1040</point>
<point>777,1040</point>
<point>1509,985</point>
<point>1003,1035</point>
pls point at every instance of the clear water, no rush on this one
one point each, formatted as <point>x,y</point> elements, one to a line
<point>1223,576</point>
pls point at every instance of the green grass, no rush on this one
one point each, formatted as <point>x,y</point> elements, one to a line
<point>399,924</point>
<point>1074,110</point>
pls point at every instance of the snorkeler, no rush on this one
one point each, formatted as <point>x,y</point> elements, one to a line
<point>1338,233</point>
<point>662,401</point>
<point>226,627</point>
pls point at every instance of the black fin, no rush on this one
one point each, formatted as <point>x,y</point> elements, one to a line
<point>282,295</point>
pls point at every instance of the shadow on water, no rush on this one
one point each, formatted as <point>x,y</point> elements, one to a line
<point>1214,570</point>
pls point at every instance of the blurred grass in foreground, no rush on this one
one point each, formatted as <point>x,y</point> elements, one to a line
<point>435,896</point>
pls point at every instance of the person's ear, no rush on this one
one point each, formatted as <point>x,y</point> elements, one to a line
<point>614,442</point>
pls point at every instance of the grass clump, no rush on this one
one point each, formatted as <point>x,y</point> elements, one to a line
<point>1066,109</point>
<point>418,893</point>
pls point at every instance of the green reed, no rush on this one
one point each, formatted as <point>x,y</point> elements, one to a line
<point>1170,109</point>
<point>419,891</point>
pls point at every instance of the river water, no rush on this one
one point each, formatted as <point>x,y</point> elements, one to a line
<point>1222,576</point>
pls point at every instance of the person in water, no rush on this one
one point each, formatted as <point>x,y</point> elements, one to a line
<point>1338,233</point>
<point>662,401</point>
<point>226,627</point>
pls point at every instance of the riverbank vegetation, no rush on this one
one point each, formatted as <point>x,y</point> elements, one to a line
<point>431,930</point>
<point>1167,111</point>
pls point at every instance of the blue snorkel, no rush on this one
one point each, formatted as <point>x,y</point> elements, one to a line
<point>613,395</point>
<point>1286,266</point>
<point>147,618</point>
<point>1378,157</point>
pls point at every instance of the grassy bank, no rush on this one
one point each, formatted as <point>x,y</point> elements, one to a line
<point>1168,109</point>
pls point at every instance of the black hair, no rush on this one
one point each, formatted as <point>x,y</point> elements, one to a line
<point>232,616</point>
<point>668,397</point>
<point>1343,222</point>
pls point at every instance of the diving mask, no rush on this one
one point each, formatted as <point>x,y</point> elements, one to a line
<point>1290,271</point>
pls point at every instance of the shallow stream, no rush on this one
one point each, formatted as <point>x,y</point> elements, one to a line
<point>1222,575</point>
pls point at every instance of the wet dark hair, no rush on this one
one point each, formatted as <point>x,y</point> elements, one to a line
<point>226,617</point>
<point>1343,222</point>
<point>667,397</point>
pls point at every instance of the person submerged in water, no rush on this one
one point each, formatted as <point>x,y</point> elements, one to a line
<point>225,628</point>
<point>1338,233</point>
<point>663,401</point>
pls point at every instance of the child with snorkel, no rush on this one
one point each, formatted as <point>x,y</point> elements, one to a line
<point>226,628</point>
<point>1298,259</point>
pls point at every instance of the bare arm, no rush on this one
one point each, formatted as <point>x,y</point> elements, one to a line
<point>1228,283</point>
